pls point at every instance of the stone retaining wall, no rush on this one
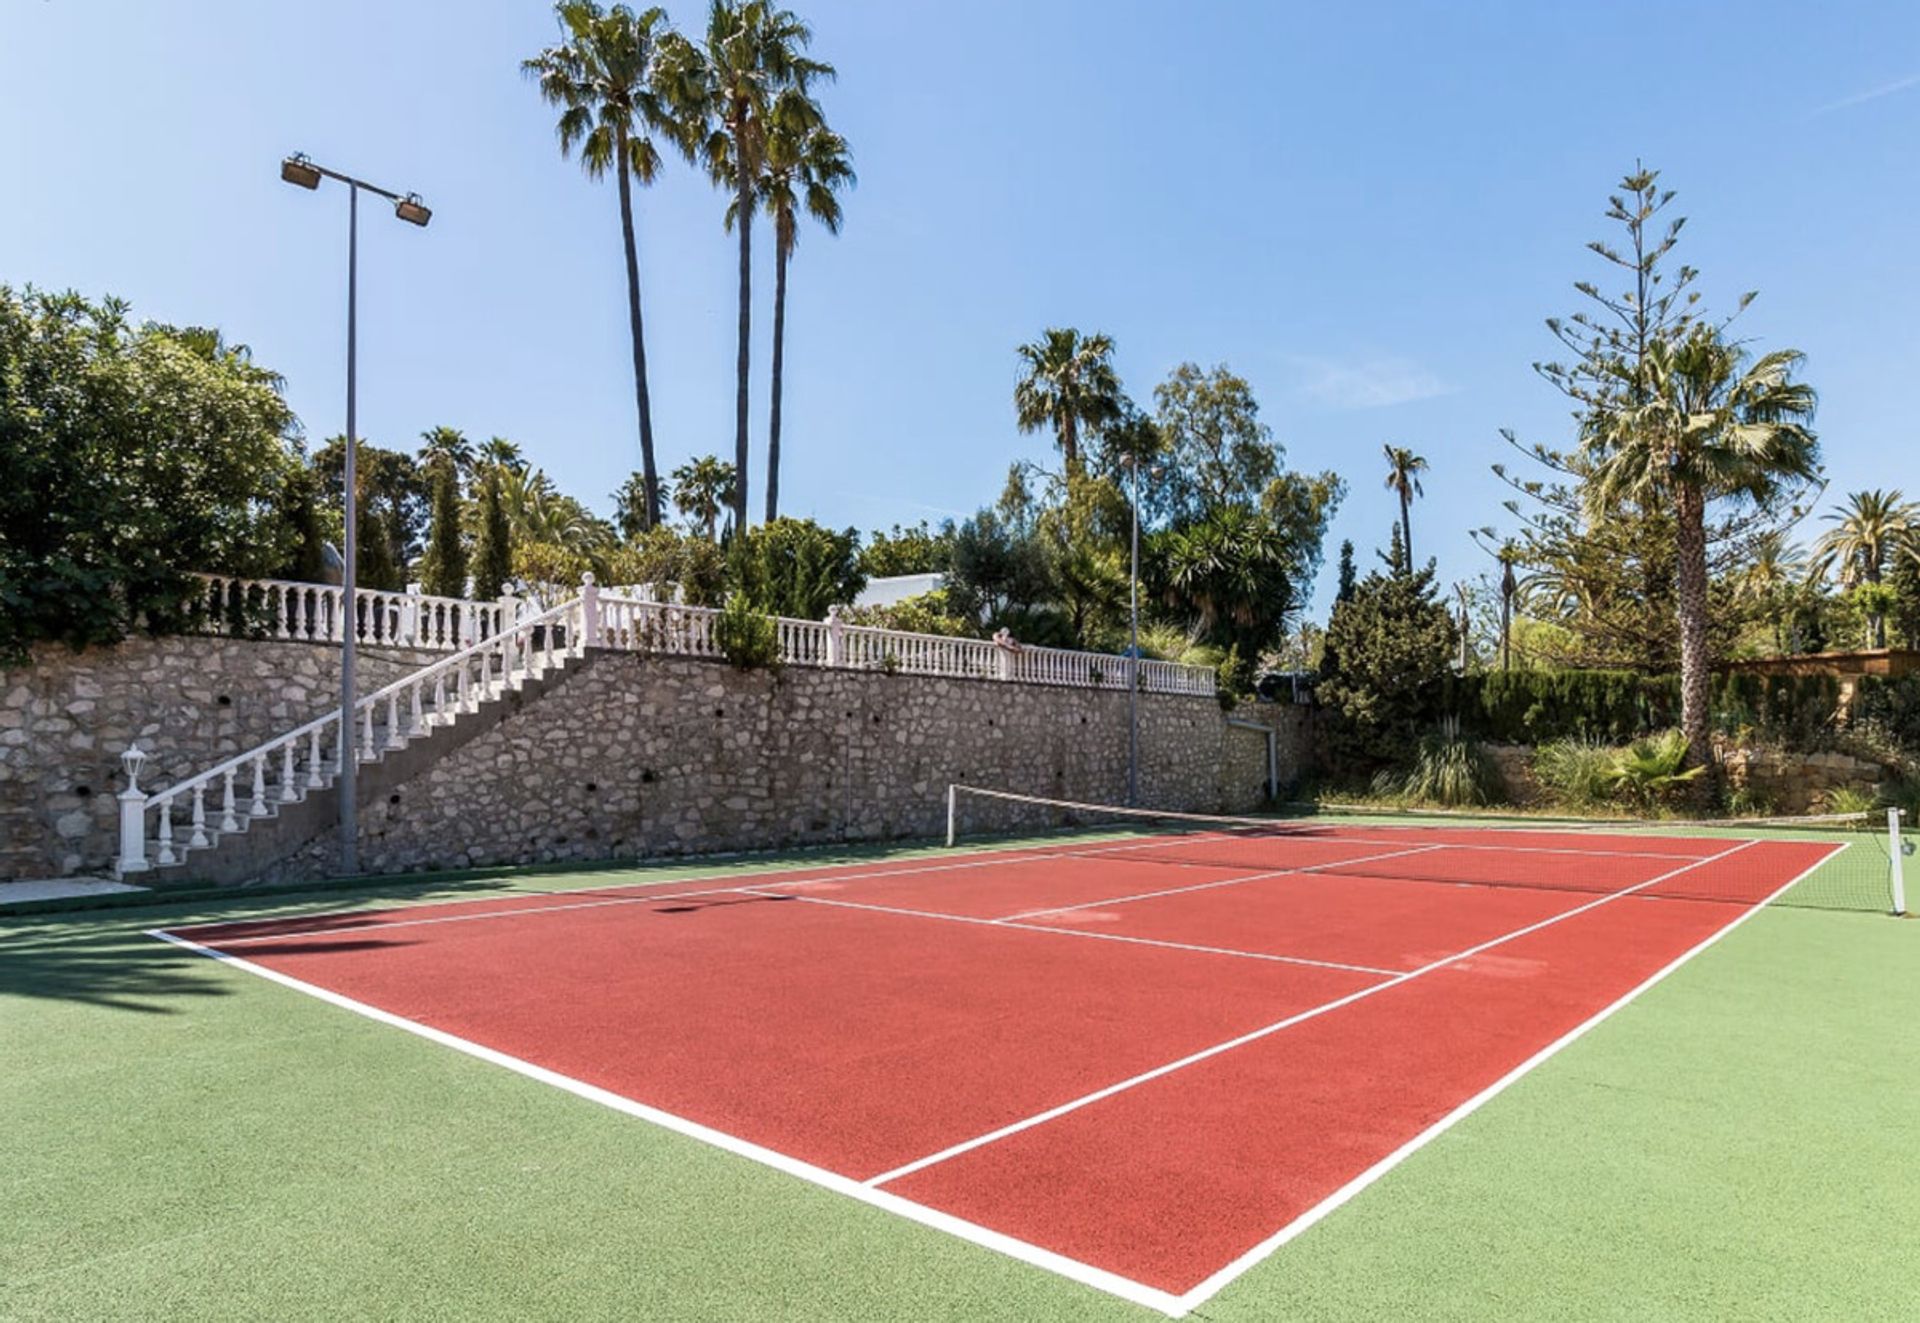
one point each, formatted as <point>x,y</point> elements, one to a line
<point>630,756</point>
<point>189,702</point>
<point>638,756</point>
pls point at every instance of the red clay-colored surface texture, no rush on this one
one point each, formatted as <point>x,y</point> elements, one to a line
<point>797,1016</point>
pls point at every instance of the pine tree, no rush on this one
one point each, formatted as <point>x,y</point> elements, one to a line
<point>1345,592</point>
<point>443,570</point>
<point>493,540</point>
<point>1396,554</point>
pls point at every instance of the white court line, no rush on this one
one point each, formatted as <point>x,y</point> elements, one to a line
<point>740,883</point>
<point>1076,932</point>
<point>1122,1086</point>
<point>1223,882</point>
<point>1084,1273</point>
<point>1207,1289</point>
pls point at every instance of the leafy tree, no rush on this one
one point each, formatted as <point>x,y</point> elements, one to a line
<point>391,501</point>
<point>443,570</point>
<point>916,549</point>
<point>724,92</point>
<point>1389,650</point>
<point>493,537</point>
<point>997,568</point>
<point>807,165</point>
<point>1403,480</point>
<point>669,565</point>
<point>1867,535</point>
<point>1219,452</point>
<point>602,76</point>
<point>1069,384</point>
<point>132,455</point>
<point>794,567</point>
<point>702,488</point>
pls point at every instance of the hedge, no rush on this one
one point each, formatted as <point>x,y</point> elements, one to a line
<point>1534,707</point>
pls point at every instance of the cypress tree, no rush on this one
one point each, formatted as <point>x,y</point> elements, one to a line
<point>493,540</point>
<point>443,570</point>
<point>1345,591</point>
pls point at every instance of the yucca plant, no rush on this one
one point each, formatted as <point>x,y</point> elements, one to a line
<point>1451,769</point>
<point>1578,773</point>
<point>1652,768</point>
<point>1848,799</point>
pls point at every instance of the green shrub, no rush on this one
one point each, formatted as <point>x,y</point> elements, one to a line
<point>1747,802</point>
<point>1575,771</point>
<point>747,636</point>
<point>1449,769</point>
<point>1649,770</point>
<point>1903,793</point>
<point>1848,799</point>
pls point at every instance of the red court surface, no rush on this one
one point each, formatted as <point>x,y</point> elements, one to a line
<point>1143,1073</point>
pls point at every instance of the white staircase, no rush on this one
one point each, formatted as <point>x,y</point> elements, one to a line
<point>184,827</point>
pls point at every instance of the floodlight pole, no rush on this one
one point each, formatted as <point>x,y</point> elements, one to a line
<point>298,170</point>
<point>1133,649</point>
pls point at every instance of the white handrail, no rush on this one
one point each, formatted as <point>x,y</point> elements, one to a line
<point>315,612</point>
<point>464,693</point>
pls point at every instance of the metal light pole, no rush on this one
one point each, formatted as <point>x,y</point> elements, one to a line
<point>1133,649</point>
<point>298,169</point>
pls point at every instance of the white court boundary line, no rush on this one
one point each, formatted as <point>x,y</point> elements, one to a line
<point>1011,926</point>
<point>1213,1285</point>
<point>1121,1086</point>
<point>1174,1306</point>
<point>742,883</point>
<point>1084,1273</point>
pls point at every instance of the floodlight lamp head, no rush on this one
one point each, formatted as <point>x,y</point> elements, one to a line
<point>412,210</point>
<point>297,169</point>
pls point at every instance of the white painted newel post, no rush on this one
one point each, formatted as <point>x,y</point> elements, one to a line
<point>133,815</point>
<point>836,637</point>
<point>589,611</point>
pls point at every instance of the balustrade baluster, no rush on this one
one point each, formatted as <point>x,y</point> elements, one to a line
<point>396,739</point>
<point>199,836</point>
<point>165,853</point>
<point>288,791</point>
<point>229,821</point>
<point>258,808</point>
<point>416,719</point>
<point>440,714</point>
<point>366,733</point>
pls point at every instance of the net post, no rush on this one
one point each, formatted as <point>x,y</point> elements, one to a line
<point>1894,852</point>
<point>953,796</point>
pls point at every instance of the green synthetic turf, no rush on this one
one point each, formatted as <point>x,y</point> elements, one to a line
<point>179,1139</point>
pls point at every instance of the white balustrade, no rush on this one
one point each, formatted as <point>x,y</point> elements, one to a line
<point>315,613</point>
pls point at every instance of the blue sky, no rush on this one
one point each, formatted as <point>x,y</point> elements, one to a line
<point>1365,210</point>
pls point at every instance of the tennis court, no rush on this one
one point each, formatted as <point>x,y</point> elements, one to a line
<point>1144,1058</point>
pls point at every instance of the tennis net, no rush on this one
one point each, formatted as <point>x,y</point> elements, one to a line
<point>1845,861</point>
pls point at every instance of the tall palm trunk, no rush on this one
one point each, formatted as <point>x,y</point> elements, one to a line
<point>780,253</point>
<point>1690,586</point>
<point>650,475</point>
<point>743,185</point>
<point>1070,442</point>
<point>1406,528</point>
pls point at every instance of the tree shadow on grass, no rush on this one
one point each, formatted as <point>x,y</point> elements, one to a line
<point>122,970</point>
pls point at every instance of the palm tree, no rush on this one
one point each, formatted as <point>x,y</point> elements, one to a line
<point>446,445</point>
<point>1867,534</point>
<point>1778,564</point>
<point>807,164</point>
<point>1069,383</point>
<point>1403,480</point>
<point>702,488</point>
<point>500,453</point>
<point>724,92</point>
<point>601,75</point>
<point>1706,422</point>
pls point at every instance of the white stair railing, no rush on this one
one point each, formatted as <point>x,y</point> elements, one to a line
<point>316,613</point>
<point>250,785</point>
